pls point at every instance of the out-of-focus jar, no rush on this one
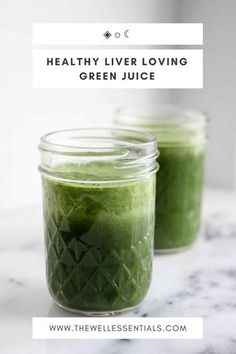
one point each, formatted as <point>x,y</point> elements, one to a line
<point>181,141</point>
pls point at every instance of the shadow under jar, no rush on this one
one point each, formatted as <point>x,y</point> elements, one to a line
<point>181,141</point>
<point>99,210</point>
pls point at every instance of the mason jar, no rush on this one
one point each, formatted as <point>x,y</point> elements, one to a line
<point>99,210</point>
<point>181,141</point>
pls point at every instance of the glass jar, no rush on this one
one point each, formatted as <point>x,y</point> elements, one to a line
<point>181,142</point>
<point>99,209</point>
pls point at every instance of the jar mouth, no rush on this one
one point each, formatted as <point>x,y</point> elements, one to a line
<point>97,141</point>
<point>163,117</point>
<point>172,124</point>
<point>102,154</point>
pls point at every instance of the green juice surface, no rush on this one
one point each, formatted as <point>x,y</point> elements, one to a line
<point>99,240</point>
<point>178,196</point>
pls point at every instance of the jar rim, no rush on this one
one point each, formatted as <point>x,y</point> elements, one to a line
<point>162,117</point>
<point>73,141</point>
<point>98,155</point>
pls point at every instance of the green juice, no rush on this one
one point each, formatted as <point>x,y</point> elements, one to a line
<point>178,196</point>
<point>181,138</point>
<point>99,239</point>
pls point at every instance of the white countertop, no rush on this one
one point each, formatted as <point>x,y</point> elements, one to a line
<point>200,281</point>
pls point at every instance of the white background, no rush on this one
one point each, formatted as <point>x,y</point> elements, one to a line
<point>27,114</point>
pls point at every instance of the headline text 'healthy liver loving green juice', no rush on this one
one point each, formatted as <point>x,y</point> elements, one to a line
<point>99,210</point>
<point>181,142</point>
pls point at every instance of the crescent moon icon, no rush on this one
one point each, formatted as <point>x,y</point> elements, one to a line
<point>126,33</point>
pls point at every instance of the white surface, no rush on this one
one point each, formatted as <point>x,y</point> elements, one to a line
<point>198,282</point>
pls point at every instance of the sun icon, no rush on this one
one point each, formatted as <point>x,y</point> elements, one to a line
<point>117,34</point>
